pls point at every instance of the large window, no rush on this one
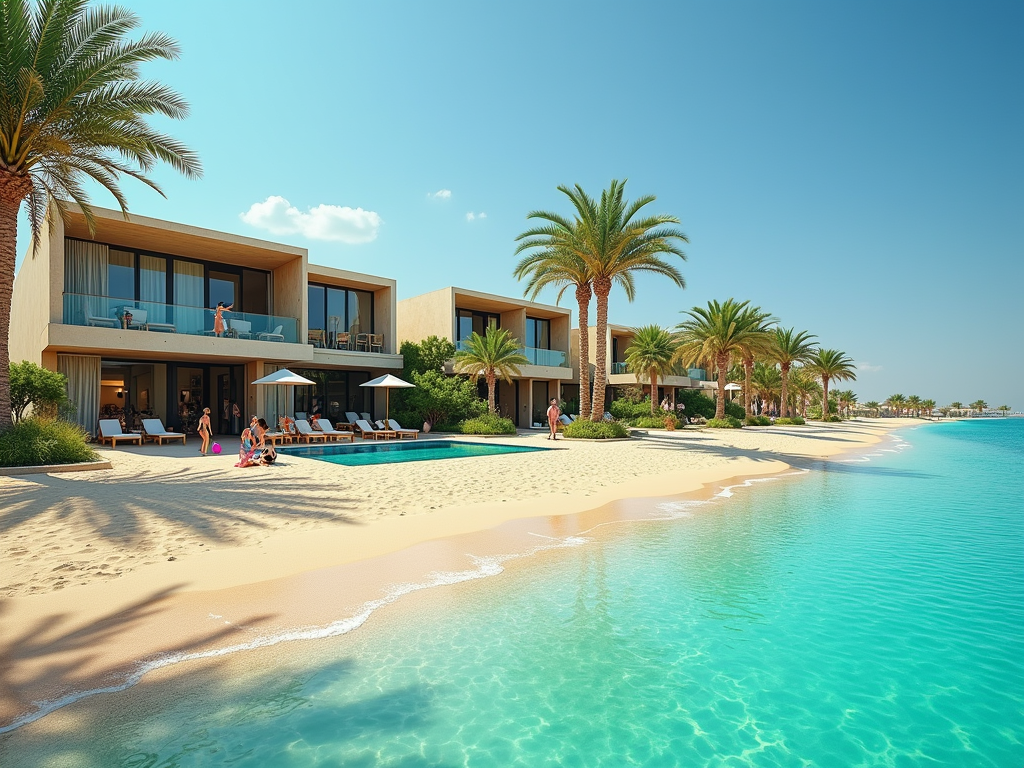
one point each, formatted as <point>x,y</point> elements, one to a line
<point>121,275</point>
<point>339,310</point>
<point>538,333</point>
<point>334,393</point>
<point>470,322</point>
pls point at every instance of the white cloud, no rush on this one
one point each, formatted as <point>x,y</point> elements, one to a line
<point>867,367</point>
<point>324,222</point>
<point>441,194</point>
<point>471,216</point>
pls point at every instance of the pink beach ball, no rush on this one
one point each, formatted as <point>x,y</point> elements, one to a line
<point>216,447</point>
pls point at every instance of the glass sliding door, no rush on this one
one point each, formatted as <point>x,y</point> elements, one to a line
<point>121,275</point>
<point>226,287</point>
<point>188,287</point>
<point>255,292</point>
<point>153,287</point>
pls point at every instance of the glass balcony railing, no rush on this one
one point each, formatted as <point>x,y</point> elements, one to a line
<point>620,368</point>
<point>697,374</point>
<point>550,357</point>
<point>108,312</point>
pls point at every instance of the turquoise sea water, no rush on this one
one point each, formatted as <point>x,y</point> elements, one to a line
<point>399,452</point>
<point>870,613</point>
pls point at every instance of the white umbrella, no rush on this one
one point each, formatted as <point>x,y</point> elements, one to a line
<point>733,387</point>
<point>387,382</point>
<point>284,378</point>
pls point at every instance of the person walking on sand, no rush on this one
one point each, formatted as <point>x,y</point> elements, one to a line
<point>205,431</point>
<point>553,413</point>
<point>218,317</point>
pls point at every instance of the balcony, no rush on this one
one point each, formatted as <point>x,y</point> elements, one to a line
<point>620,368</point>
<point>549,357</point>
<point>108,312</point>
<point>697,374</point>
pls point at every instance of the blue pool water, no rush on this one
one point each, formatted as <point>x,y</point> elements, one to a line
<point>870,613</point>
<point>397,452</point>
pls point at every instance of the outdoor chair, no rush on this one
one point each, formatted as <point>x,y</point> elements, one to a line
<point>240,328</point>
<point>110,431</point>
<point>365,428</point>
<point>274,335</point>
<point>97,321</point>
<point>324,425</point>
<point>307,433</point>
<point>376,342</point>
<point>153,429</point>
<point>395,426</point>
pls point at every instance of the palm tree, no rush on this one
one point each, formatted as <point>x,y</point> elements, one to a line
<point>896,403</point>
<point>804,387</point>
<point>830,365</point>
<point>1004,408</point>
<point>874,406</point>
<point>928,406</point>
<point>914,405</point>
<point>652,352</point>
<point>494,354</point>
<point>73,108</point>
<point>558,264</point>
<point>956,404</point>
<point>766,381</point>
<point>615,245</point>
<point>720,333</point>
<point>979,405</point>
<point>758,344</point>
<point>847,399</point>
<point>790,346</point>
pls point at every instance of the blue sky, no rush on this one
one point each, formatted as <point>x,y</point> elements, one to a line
<point>857,169</point>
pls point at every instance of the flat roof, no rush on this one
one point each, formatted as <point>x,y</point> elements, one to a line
<point>176,239</point>
<point>467,299</point>
<point>343,278</point>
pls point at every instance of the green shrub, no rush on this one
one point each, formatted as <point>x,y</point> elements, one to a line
<point>34,441</point>
<point>729,422</point>
<point>786,421</point>
<point>666,421</point>
<point>757,421</point>
<point>833,417</point>
<point>735,410</point>
<point>595,430</point>
<point>799,420</point>
<point>442,400</point>
<point>36,387</point>
<point>696,403</point>
<point>488,424</point>
<point>626,410</point>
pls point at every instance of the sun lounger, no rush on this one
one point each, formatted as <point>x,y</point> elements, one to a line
<point>325,426</point>
<point>364,416</point>
<point>110,431</point>
<point>365,428</point>
<point>307,433</point>
<point>564,420</point>
<point>153,429</point>
<point>413,433</point>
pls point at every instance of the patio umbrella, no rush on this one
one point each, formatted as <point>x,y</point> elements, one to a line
<point>387,382</point>
<point>733,387</point>
<point>284,378</point>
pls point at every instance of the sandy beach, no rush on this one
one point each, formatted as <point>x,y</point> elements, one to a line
<point>99,570</point>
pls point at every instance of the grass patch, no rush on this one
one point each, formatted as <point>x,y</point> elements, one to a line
<point>595,430</point>
<point>729,422</point>
<point>35,442</point>
<point>758,421</point>
<point>785,421</point>
<point>487,424</point>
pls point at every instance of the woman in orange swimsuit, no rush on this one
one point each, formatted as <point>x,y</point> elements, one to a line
<point>218,317</point>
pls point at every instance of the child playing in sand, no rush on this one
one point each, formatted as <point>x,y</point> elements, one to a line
<point>205,431</point>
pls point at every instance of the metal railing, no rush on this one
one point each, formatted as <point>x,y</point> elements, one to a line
<point>697,374</point>
<point>550,357</point>
<point>620,368</point>
<point>125,314</point>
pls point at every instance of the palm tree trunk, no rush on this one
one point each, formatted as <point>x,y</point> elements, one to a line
<point>12,191</point>
<point>748,372</point>
<point>602,287</point>
<point>654,388</point>
<point>723,368</point>
<point>583,294</point>
<point>824,398</point>
<point>784,403</point>
<point>490,392</point>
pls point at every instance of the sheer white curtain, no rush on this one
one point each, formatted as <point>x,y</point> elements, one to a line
<point>188,297</point>
<point>153,286</point>
<point>85,274</point>
<point>83,374</point>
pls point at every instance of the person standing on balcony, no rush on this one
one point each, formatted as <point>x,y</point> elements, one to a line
<point>218,318</point>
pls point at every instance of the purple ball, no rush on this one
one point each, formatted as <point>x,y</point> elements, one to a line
<point>216,447</point>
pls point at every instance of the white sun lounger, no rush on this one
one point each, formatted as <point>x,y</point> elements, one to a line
<point>413,433</point>
<point>153,429</point>
<point>366,428</point>
<point>325,426</point>
<point>307,433</point>
<point>110,431</point>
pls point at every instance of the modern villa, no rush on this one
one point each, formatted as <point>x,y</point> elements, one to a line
<point>543,331</point>
<point>127,314</point>
<point>617,342</point>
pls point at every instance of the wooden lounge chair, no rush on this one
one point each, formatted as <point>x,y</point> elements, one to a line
<point>365,428</point>
<point>110,431</point>
<point>325,426</point>
<point>153,429</point>
<point>307,433</point>
<point>413,433</point>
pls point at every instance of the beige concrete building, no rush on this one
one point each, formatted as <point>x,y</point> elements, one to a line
<point>617,342</point>
<point>542,330</point>
<point>128,314</point>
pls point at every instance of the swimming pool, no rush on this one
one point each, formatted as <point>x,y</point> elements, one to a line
<point>399,453</point>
